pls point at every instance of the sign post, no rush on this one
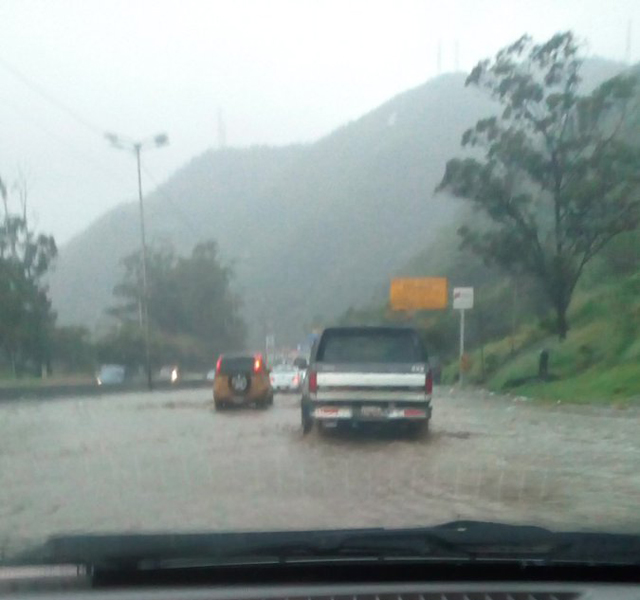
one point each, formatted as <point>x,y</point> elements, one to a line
<point>462,300</point>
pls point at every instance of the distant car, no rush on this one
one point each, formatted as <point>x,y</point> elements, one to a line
<point>286,378</point>
<point>169,373</point>
<point>301,362</point>
<point>242,379</point>
<point>111,375</point>
<point>211,375</point>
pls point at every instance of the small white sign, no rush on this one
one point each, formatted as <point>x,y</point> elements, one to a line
<point>463,298</point>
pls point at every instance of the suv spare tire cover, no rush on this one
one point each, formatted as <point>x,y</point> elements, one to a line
<point>239,382</point>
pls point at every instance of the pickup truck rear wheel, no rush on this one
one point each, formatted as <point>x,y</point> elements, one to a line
<point>419,429</point>
<point>307,420</point>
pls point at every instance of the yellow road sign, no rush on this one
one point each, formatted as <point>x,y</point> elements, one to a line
<point>418,293</point>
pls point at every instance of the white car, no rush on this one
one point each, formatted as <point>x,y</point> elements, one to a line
<point>111,375</point>
<point>286,378</point>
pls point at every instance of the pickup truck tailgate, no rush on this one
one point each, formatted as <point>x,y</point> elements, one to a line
<point>371,384</point>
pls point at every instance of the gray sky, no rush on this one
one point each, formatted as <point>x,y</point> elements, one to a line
<point>281,71</point>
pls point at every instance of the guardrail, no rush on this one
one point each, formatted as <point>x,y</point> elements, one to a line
<point>46,392</point>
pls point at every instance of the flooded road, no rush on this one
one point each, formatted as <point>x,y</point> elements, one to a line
<point>167,461</point>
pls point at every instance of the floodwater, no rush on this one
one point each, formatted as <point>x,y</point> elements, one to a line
<point>166,461</point>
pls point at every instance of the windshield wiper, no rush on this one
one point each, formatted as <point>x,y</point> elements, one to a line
<point>159,551</point>
<point>458,541</point>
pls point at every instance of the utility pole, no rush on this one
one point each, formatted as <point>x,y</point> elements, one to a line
<point>514,315</point>
<point>145,285</point>
<point>137,147</point>
<point>461,358</point>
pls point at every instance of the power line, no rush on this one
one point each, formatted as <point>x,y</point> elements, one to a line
<point>37,89</point>
<point>60,140</point>
<point>73,114</point>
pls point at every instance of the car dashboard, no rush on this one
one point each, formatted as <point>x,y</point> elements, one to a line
<point>325,582</point>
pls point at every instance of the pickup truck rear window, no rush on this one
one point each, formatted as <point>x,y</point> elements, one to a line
<point>392,346</point>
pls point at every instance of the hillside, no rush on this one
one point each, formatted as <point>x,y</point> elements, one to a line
<point>202,200</point>
<point>599,361</point>
<point>310,229</point>
<point>511,321</point>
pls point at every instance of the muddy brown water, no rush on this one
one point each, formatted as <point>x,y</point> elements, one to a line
<point>168,462</point>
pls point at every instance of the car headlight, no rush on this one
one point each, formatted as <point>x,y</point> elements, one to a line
<point>174,375</point>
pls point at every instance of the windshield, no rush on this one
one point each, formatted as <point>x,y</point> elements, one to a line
<point>326,265</point>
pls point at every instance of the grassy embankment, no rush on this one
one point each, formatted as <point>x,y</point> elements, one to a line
<point>599,362</point>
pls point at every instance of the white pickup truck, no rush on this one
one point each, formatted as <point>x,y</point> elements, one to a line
<point>367,374</point>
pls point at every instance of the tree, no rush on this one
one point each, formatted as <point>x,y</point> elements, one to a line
<point>554,173</point>
<point>210,309</point>
<point>72,348</point>
<point>161,263</point>
<point>123,345</point>
<point>190,298</point>
<point>26,317</point>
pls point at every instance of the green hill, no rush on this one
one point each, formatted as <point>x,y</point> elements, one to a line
<point>600,359</point>
<point>310,229</point>
<point>511,321</point>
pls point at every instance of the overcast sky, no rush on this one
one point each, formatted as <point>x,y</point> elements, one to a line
<point>280,71</point>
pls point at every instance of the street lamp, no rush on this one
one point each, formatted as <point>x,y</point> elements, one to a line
<point>137,147</point>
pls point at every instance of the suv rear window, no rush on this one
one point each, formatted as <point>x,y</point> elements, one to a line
<point>362,346</point>
<point>236,364</point>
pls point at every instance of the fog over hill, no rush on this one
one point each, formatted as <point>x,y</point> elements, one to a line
<point>311,229</point>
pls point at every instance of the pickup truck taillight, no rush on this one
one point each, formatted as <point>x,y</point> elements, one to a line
<point>313,382</point>
<point>428,382</point>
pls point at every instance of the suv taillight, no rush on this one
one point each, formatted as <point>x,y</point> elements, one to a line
<point>218,365</point>
<point>313,382</point>
<point>257,364</point>
<point>428,382</point>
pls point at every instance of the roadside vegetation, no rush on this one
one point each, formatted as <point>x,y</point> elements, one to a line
<point>600,359</point>
<point>26,317</point>
<point>193,312</point>
<point>558,186</point>
<point>550,237</point>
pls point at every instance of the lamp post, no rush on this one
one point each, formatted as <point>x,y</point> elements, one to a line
<point>137,147</point>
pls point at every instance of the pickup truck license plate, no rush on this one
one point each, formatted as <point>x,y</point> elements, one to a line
<point>371,411</point>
